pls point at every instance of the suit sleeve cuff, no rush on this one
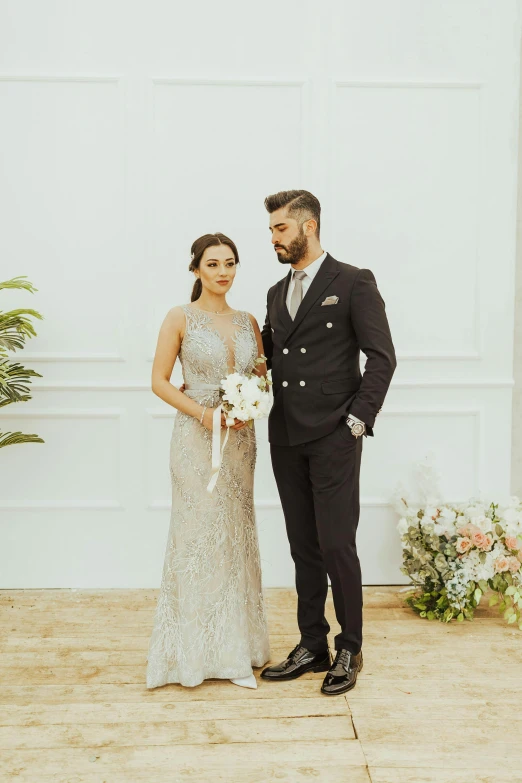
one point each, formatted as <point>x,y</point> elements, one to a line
<point>362,412</point>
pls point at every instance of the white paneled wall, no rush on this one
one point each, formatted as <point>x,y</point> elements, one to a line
<point>127,130</point>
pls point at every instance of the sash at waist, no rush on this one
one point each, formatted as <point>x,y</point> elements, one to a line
<point>202,387</point>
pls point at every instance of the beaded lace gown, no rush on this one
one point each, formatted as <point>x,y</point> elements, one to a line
<point>210,618</point>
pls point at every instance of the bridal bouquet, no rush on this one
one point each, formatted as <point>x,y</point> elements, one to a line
<point>454,554</point>
<point>245,397</point>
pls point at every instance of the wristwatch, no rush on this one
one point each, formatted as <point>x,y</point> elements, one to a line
<point>357,426</point>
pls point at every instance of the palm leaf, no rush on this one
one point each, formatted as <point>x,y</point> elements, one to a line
<point>12,438</point>
<point>15,328</point>
<point>19,282</point>
<point>14,382</point>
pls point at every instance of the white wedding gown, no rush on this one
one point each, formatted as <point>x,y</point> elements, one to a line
<point>210,617</point>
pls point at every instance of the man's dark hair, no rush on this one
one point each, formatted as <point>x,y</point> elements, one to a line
<point>302,205</point>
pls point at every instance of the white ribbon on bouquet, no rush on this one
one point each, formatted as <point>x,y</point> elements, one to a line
<point>217,448</point>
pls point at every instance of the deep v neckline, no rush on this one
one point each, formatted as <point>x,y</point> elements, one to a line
<point>230,351</point>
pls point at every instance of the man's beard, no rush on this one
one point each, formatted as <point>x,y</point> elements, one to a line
<point>296,250</point>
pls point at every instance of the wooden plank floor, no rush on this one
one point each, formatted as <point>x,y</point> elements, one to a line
<point>434,703</point>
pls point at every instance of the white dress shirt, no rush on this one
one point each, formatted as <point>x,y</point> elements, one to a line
<point>311,270</point>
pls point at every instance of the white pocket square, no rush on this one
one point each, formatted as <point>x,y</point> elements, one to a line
<point>330,300</point>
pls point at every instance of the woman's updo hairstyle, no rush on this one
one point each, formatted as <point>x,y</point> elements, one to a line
<point>197,250</point>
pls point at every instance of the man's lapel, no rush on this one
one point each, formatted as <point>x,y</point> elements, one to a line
<point>327,272</point>
<point>282,309</point>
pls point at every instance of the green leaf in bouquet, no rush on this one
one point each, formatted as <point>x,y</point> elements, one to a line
<point>511,619</point>
<point>494,600</point>
<point>508,578</point>
<point>499,530</point>
<point>468,614</point>
<point>430,615</point>
<point>477,595</point>
<point>509,612</point>
<point>482,557</point>
<point>519,603</point>
<point>420,606</point>
<point>510,590</point>
<point>502,607</point>
<point>483,584</point>
<point>422,614</point>
<point>460,617</point>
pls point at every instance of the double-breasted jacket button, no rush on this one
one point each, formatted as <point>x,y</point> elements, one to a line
<point>329,325</point>
<point>285,383</point>
<point>302,383</point>
<point>303,350</point>
<point>285,350</point>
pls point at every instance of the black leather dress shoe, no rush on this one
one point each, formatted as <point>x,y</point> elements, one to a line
<point>298,662</point>
<point>343,673</point>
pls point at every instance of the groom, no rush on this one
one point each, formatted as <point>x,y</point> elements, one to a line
<point>319,318</point>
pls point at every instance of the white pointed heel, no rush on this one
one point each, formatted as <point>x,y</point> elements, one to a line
<point>246,682</point>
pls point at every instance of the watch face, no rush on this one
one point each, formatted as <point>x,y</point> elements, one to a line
<point>357,428</point>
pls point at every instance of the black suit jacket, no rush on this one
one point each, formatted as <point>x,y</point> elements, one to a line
<point>315,358</point>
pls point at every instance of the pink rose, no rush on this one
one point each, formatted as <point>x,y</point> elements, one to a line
<point>463,544</point>
<point>512,542</point>
<point>479,539</point>
<point>501,564</point>
<point>488,542</point>
<point>468,530</point>
<point>513,564</point>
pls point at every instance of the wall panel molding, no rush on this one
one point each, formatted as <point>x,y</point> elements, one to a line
<point>476,353</point>
<point>410,384</point>
<point>67,413</point>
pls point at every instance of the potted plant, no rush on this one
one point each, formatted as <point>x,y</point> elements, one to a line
<point>15,328</point>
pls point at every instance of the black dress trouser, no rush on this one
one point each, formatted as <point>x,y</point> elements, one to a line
<point>318,484</point>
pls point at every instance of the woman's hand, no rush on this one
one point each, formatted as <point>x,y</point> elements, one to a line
<point>208,419</point>
<point>238,424</point>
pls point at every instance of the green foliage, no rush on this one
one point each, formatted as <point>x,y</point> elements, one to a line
<point>15,328</point>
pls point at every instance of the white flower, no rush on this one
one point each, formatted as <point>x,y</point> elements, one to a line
<point>428,518</point>
<point>482,522</point>
<point>250,390</point>
<point>447,515</point>
<point>511,521</point>
<point>232,381</point>
<point>403,526</point>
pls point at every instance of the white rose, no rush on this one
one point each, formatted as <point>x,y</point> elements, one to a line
<point>232,381</point>
<point>250,390</point>
<point>403,526</point>
<point>447,515</point>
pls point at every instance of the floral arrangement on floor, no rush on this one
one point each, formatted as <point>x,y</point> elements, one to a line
<point>454,554</point>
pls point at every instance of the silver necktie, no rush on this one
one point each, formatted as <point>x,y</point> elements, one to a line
<point>297,293</point>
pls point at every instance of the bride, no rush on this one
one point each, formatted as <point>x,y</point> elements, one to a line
<point>210,617</point>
